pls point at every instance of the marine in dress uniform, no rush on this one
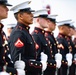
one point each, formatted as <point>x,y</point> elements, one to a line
<point>72,67</point>
<point>21,43</point>
<point>74,61</point>
<point>6,66</point>
<point>65,46</point>
<point>52,40</point>
<point>42,45</point>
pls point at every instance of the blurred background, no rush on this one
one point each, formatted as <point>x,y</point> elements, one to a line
<point>65,9</point>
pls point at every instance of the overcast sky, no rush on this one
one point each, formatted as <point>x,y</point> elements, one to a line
<point>65,9</point>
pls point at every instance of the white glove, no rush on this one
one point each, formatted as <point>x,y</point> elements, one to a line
<point>44,65</point>
<point>19,65</point>
<point>44,57</point>
<point>69,58</point>
<point>58,56</point>
<point>58,64</point>
<point>69,62</point>
<point>4,73</point>
<point>44,61</point>
<point>20,72</point>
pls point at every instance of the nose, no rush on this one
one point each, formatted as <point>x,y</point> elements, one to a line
<point>31,15</point>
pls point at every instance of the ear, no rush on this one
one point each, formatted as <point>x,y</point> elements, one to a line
<point>20,16</point>
<point>37,19</point>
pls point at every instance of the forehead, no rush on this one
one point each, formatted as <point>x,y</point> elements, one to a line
<point>2,6</point>
<point>42,18</point>
<point>67,27</point>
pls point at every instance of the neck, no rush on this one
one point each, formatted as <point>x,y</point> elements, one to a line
<point>38,25</point>
<point>23,22</point>
<point>46,29</point>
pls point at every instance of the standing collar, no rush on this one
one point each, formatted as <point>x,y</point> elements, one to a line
<point>51,33</point>
<point>39,30</point>
<point>23,26</point>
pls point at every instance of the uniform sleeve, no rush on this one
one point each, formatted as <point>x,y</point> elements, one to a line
<point>16,45</point>
<point>61,46</point>
<point>38,45</point>
<point>53,45</point>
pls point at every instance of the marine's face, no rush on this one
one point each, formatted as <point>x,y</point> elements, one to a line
<point>27,17</point>
<point>43,22</point>
<point>71,31</point>
<point>51,25</point>
<point>66,30</point>
<point>3,12</point>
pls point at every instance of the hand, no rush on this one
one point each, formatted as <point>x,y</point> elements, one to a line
<point>44,57</point>
<point>44,65</point>
<point>20,72</point>
<point>58,63</point>
<point>69,58</point>
<point>4,73</point>
<point>44,61</point>
<point>58,56</point>
<point>19,65</point>
<point>69,62</point>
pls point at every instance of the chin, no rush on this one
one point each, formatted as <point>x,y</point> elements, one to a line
<point>31,23</point>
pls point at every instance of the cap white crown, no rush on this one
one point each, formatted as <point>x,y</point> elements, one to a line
<point>40,12</point>
<point>52,16</point>
<point>64,22</point>
<point>19,6</point>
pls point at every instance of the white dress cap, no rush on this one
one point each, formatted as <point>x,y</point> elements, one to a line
<point>52,16</point>
<point>40,12</point>
<point>64,22</point>
<point>19,6</point>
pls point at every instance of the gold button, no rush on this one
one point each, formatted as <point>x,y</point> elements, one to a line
<point>42,31</point>
<point>57,42</point>
<point>50,47</point>
<point>49,42</point>
<point>31,63</point>
<point>51,51</point>
<point>36,64</point>
<point>5,51</point>
<point>6,63</point>
<point>40,65</point>
<point>66,62</point>
<point>46,44</point>
<point>65,36</point>
<point>62,61</point>
<point>31,42</point>
<point>54,43</point>
<point>52,56</point>
<point>3,57</point>
<point>26,27</point>
<point>54,64</point>
<point>50,63</point>
<point>10,73</point>
<point>68,42</point>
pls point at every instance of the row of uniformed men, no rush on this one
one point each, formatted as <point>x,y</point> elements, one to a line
<point>40,53</point>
